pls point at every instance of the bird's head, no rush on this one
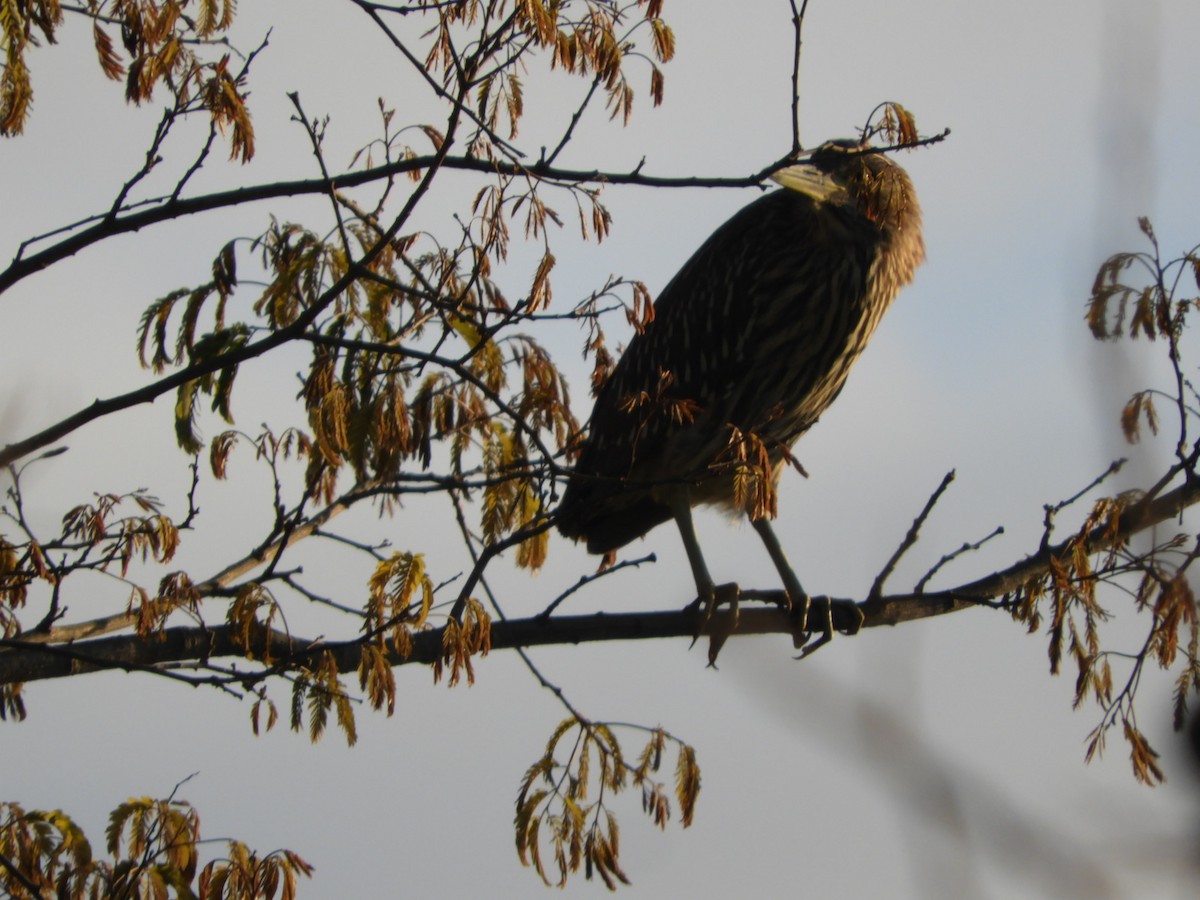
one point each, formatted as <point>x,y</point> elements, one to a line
<point>849,172</point>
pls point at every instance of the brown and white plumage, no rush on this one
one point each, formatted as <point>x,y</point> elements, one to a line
<point>757,332</point>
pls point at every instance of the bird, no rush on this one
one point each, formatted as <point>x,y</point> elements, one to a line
<point>749,344</point>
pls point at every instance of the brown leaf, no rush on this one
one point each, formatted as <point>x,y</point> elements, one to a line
<point>110,63</point>
<point>435,137</point>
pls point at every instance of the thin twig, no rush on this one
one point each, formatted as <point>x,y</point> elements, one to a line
<point>798,30</point>
<point>909,539</point>
<point>950,557</point>
<point>1113,468</point>
<point>1052,509</point>
<point>566,138</point>
<point>316,137</point>
<point>588,579</point>
<point>477,557</point>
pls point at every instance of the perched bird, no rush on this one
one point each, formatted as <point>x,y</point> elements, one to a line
<point>750,342</point>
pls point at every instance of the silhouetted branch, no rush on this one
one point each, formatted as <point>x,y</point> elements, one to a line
<point>967,547</point>
<point>170,209</point>
<point>28,660</point>
<point>797,52</point>
<point>910,538</point>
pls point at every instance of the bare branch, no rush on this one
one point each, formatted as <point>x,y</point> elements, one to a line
<point>909,539</point>
<point>798,31</point>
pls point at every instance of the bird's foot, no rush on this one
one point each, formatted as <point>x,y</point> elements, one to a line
<point>707,602</point>
<point>854,616</point>
<point>809,640</point>
<point>718,628</point>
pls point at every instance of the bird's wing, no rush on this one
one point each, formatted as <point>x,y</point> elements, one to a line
<point>728,320</point>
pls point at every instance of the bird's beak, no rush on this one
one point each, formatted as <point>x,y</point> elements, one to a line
<point>807,179</point>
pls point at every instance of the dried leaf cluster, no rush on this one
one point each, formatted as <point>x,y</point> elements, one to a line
<point>154,852</point>
<point>1103,555</point>
<point>162,43</point>
<point>561,805</point>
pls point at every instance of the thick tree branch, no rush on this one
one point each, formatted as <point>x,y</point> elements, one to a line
<point>28,661</point>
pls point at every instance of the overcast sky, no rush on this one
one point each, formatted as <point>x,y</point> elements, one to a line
<point>935,759</point>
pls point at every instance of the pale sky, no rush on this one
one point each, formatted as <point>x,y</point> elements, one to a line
<point>937,759</point>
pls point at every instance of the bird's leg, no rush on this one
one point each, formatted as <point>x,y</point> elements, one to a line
<point>796,594</point>
<point>800,601</point>
<point>707,593</point>
<point>681,508</point>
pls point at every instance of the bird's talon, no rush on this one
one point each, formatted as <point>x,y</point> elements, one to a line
<point>798,610</point>
<point>808,648</point>
<point>725,625</point>
<point>703,607</point>
<point>857,618</point>
<point>807,640</point>
<point>706,606</point>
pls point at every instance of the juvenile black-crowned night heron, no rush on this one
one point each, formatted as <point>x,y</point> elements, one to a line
<point>750,342</point>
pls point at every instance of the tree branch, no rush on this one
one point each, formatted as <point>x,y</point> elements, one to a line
<point>29,661</point>
<point>171,208</point>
